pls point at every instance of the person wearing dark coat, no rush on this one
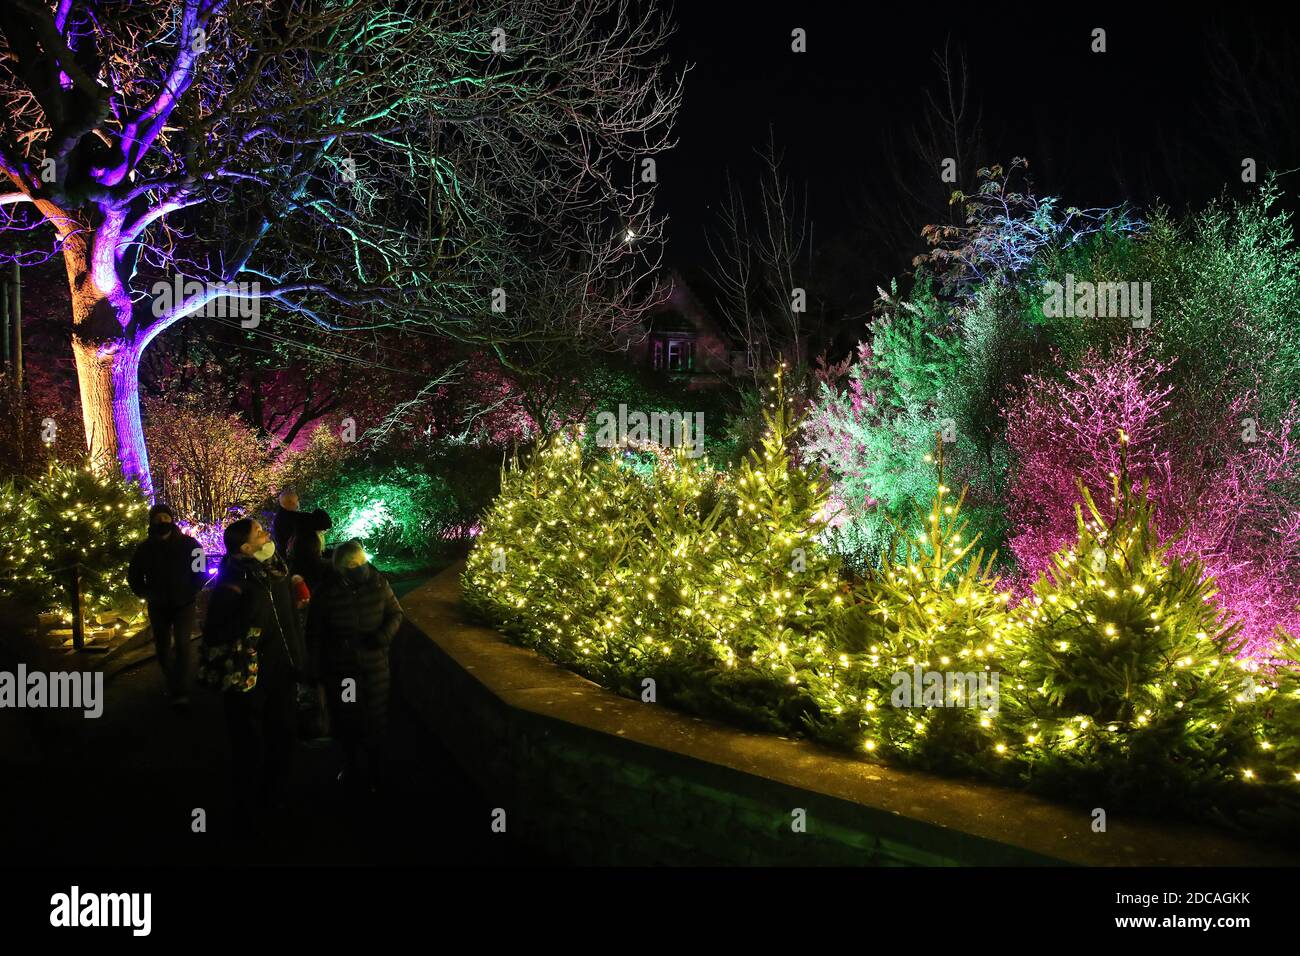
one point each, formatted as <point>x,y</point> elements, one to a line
<point>306,548</point>
<point>307,560</point>
<point>354,618</point>
<point>285,522</point>
<point>253,597</point>
<point>168,571</point>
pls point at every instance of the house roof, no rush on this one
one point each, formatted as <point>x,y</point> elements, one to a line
<point>684,311</point>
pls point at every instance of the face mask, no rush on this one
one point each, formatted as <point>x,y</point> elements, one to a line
<point>359,573</point>
<point>266,551</point>
<point>160,530</point>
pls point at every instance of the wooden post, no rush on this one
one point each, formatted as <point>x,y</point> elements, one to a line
<point>4,325</point>
<point>78,617</point>
<point>18,327</point>
<point>17,359</point>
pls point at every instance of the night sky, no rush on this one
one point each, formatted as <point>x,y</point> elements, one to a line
<point>1137,123</point>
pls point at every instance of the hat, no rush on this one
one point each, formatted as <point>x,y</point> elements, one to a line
<point>157,510</point>
<point>318,520</point>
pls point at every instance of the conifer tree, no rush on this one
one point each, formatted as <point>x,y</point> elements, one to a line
<point>1132,668</point>
<point>931,608</point>
<point>72,535</point>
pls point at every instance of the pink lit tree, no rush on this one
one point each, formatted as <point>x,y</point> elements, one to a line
<point>1223,490</point>
<point>1065,430</point>
<point>359,166</point>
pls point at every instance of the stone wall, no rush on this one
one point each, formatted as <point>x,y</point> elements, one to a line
<point>591,777</point>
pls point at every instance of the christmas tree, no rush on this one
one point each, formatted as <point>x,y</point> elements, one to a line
<point>770,591</point>
<point>712,585</point>
<point>72,535</point>
<point>924,645</point>
<point>1135,683</point>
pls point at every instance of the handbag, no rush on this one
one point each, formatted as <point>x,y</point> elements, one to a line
<point>229,667</point>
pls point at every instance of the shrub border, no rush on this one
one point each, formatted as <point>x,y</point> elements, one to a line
<point>559,747</point>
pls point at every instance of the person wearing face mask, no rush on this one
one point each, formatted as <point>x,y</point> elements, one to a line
<point>167,570</point>
<point>253,601</point>
<point>353,619</point>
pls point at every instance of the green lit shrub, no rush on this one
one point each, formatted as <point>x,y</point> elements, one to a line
<point>396,508</point>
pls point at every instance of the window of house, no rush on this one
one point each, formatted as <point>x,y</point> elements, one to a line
<point>674,355</point>
<point>681,355</point>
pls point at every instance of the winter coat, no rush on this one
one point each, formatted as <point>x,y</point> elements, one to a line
<point>256,594</point>
<point>283,527</point>
<point>162,570</point>
<point>354,617</point>
<point>307,558</point>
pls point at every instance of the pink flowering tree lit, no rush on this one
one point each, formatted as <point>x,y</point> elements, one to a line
<point>1062,431</point>
<point>1223,493</point>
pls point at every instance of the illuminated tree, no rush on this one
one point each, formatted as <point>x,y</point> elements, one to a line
<point>210,467</point>
<point>1007,227</point>
<point>359,165</point>
<point>1220,494</point>
<point>71,537</point>
<point>932,606</point>
<point>770,590</point>
<point>712,585</point>
<point>873,435</point>
<point>1134,684</point>
<point>1063,431</point>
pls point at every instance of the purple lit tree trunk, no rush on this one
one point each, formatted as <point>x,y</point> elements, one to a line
<point>357,166</point>
<point>106,348</point>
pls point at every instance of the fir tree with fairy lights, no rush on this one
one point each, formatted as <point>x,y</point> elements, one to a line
<point>713,585</point>
<point>547,561</point>
<point>72,536</point>
<point>772,588</point>
<point>1132,669</point>
<point>932,608</point>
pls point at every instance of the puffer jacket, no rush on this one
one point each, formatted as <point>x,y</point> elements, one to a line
<point>354,617</point>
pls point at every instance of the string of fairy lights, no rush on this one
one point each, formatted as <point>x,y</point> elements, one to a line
<point>712,581</point>
<point>72,518</point>
<point>715,584</point>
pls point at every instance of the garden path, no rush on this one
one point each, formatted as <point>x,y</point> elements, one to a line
<point>121,790</point>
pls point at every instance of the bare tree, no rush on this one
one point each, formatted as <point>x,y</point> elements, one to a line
<point>914,192</point>
<point>1250,109</point>
<point>361,165</point>
<point>762,264</point>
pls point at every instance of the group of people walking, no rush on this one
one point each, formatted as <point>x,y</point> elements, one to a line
<point>289,623</point>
